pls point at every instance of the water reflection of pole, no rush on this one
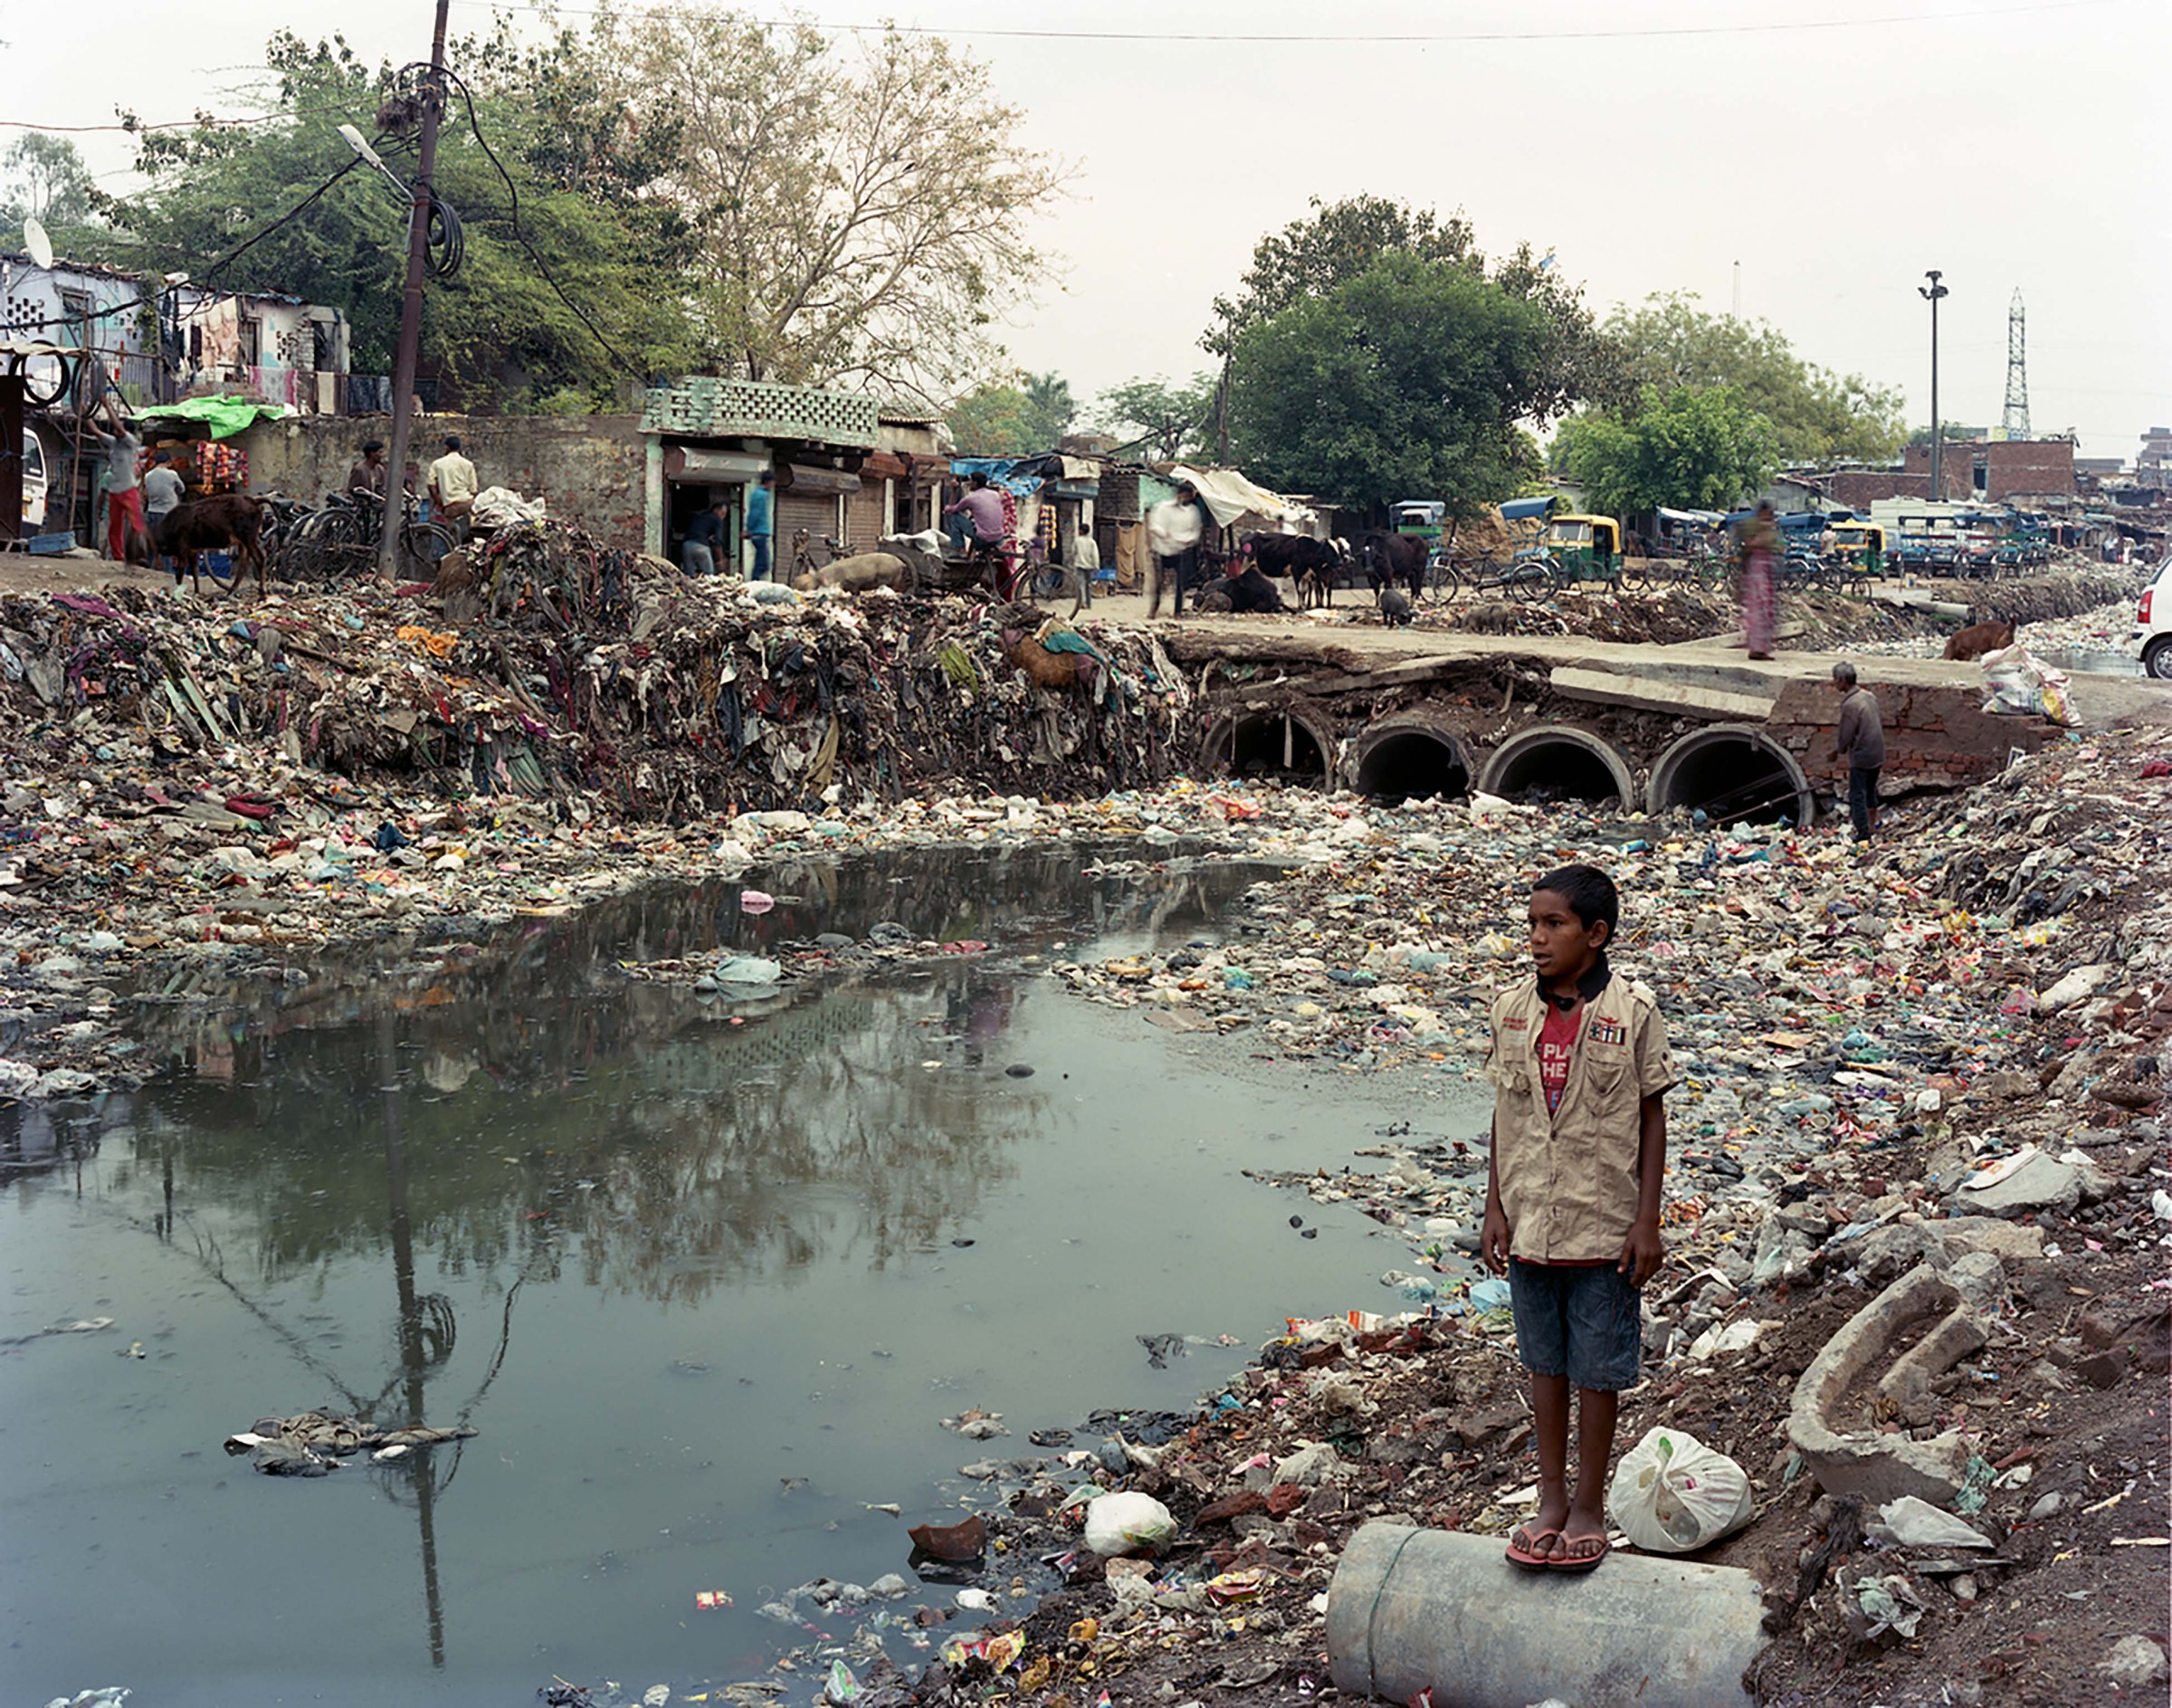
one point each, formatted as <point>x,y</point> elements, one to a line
<point>420,1470</point>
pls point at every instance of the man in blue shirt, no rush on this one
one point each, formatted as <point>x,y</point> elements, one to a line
<point>704,534</point>
<point>760,527</point>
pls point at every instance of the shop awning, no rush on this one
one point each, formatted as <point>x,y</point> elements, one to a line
<point>801,478</point>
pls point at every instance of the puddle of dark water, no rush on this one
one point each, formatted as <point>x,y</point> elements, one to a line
<point>704,1290</point>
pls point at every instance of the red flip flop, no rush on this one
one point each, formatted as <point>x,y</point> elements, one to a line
<point>1579,1562</point>
<point>1523,1559</point>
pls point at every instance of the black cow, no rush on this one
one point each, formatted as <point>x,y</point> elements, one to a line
<point>1253,592</point>
<point>1388,559</point>
<point>233,523</point>
<point>1309,563</point>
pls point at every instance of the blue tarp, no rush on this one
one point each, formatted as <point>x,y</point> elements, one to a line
<point>1012,473</point>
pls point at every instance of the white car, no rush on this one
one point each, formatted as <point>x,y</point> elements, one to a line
<point>2153,620</point>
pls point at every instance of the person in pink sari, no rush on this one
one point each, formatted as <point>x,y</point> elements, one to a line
<point>1757,552</point>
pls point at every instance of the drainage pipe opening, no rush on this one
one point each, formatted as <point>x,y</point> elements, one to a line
<point>1733,774</point>
<point>1558,762</point>
<point>1287,747</point>
<point>1410,763</point>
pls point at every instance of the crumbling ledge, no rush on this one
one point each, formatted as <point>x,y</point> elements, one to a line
<point>1881,1467</point>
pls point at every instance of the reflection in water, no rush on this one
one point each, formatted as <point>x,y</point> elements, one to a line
<point>513,1109</point>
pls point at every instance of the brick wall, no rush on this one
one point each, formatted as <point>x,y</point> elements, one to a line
<point>592,468</point>
<point>1935,738</point>
<point>1957,470</point>
<point>2030,466</point>
<point>1859,489</point>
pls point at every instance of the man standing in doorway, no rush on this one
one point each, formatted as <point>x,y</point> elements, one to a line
<point>1860,742</point>
<point>453,484</point>
<point>761,521</point>
<point>704,535</point>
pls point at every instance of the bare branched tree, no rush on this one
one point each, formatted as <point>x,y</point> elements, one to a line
<point>861,215</point>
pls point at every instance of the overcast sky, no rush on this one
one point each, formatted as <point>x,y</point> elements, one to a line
<point>1653,144</point>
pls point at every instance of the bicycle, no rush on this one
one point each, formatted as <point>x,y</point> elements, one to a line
<point>1443,581</point>
<point>1532,576</point>
<point>341,540</point>
<point>803,561</point>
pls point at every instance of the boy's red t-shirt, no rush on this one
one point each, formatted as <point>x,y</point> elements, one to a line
<point>1556,1045</point>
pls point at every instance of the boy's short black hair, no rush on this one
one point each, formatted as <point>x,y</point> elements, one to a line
<point>1589,892</point>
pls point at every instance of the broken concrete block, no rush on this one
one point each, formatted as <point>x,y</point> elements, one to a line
<point>2040,1183</point>
<point>1876,1466</point>
<point>1958,1236</point>
<point>1893,1250</point>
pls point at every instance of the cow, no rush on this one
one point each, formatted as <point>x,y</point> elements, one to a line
<point>233,523</point>
<point>1250,591</point>
<point>1388,559</point>
<point>1309,563</point>
<point>1979,638</point>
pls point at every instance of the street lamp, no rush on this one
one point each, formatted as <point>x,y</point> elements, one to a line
<point>1930,294</point>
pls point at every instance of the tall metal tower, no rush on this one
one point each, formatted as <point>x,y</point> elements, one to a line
<point>2016,422</point>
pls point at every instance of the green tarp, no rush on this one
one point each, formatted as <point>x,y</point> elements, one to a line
<point>224,415</point>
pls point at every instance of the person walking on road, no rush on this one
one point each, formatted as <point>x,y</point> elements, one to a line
<point>760,527</point>
<point>1174,528</point>
<point>1758,551</point>
<point>1860,743</point>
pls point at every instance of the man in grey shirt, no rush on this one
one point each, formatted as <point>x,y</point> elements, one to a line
<point>124,492</point>
<point>1861,741</point>
<point>162,489</point>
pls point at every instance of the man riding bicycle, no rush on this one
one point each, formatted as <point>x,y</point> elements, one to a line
<point>983,506</point>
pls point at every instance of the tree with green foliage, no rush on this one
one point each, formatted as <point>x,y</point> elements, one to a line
<point>583,173</point>
<point>1816,416</point>
<point>1013,418</point>
<point>1169,422</point>
<point>1312,258</point>
<point>43,177</point>
<point>1408,380</point>
<point>860,213</point>
<point>1689,447</point>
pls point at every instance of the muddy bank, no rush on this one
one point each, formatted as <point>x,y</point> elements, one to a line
<point>1947,1061</point>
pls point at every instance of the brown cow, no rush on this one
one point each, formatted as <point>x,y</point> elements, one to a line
<point>233,523</point>
<point>1979,638</point>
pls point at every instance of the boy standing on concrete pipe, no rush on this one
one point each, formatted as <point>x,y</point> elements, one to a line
<point>1580,1070</point>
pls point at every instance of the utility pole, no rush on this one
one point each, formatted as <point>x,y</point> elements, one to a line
<point>1937,426</point>
<point>410,309</point>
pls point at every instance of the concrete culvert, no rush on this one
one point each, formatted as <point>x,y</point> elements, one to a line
<point>1559,762</point>
<point>1735,774</point>
<point>1288,746</point>
<point>1406,759</point>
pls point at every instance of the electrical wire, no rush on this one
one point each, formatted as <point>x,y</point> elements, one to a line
<point>513,196</point>
<point>201,121</point>
<point>216,267</point>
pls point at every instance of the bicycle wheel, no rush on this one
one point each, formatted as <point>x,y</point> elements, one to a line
<point>1050,580</point>
<point>426,544</point>
<point>1442,583</point>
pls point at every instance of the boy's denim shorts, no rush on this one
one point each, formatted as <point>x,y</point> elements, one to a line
<point>1584,1321</point>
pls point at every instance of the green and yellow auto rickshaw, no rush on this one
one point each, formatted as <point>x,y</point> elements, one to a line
<point>1587,548</point>
<point>1858,548</point>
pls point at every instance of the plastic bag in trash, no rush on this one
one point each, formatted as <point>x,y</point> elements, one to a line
<point>1671,1495</point>
<point>1118,1524</point>
<point>2020,682</point>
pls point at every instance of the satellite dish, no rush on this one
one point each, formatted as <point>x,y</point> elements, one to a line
<point>36,241</point>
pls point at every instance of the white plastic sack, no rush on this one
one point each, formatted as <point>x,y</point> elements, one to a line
<point>1671,1495</point>
<point>1121,1522</point>
<point>2020,682</point>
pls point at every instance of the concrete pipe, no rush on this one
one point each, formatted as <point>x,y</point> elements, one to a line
<point>1290,745</point>
<point>1410,757</point>
<point>1411,1610</point>
<point>1733,772</point>
<point>1559,761</point>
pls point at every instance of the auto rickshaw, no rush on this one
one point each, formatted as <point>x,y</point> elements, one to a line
<point>1859,547</point>
<point>1588,548</point>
